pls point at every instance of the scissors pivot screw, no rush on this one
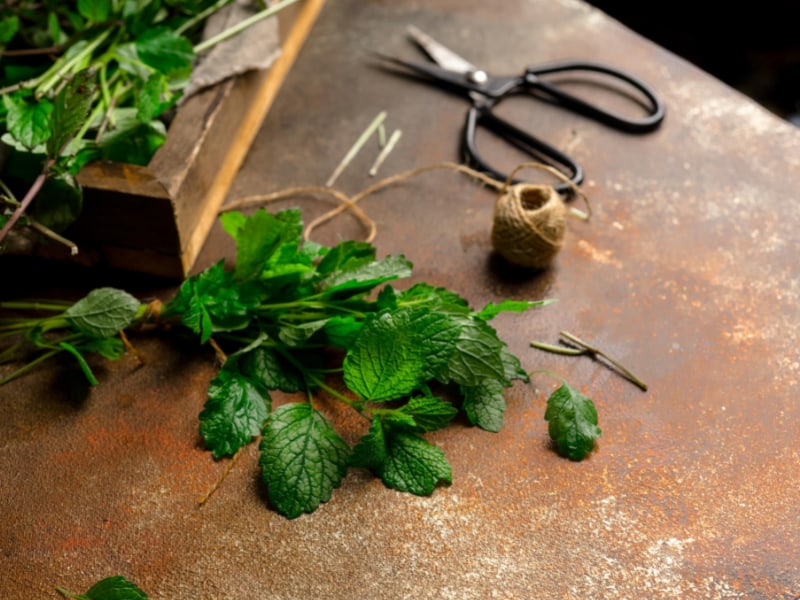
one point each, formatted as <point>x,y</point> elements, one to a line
<point>479,77</point>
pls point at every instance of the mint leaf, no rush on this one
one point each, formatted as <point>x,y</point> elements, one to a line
<point>491,310</point>
<point>485,405</point>
<point>429,412</point>
<point>297,335</point>
<point>397,351</point>
<point>572,421</point>
<point>114,588</point>
<point>95,11</point>
<point>70,111</point>
<point>512,367</point>
<point>437,299</point>
<point>370,453</point>
<point>404,461</point>
<point>131,141</point>
<point>259,237</point>
<point>110,347</point>
<point>103,312</point>
<point>364,277</point>
<point>165,51</point>
<point>347,256</point>
<point>234,412</point>
<point>212,301</point>
<point>342,332</point>
<point>476,354</point>
<point>302,459</point>
<point>153,98</point>
<point>28,122</point>
<point>271,370</point>
<point>413,465</point>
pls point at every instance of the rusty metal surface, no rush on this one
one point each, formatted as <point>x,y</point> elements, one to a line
<point>688,273</point>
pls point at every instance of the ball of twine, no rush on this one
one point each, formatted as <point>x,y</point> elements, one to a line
<point>529,221</point>
<point>529,224</point>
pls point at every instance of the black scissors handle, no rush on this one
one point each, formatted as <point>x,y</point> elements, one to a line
<point>497,88</point>
<point>553,93</point>
<point>482,116</point>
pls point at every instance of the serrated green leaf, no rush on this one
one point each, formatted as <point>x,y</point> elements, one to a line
<point>370,452</point>
<point>404,461</point>
<point>572,422</point>
<point>95,11</point>
<point>366,276</point>
<point>485,405</point>
<point>70,110</point>
<point>28,122</point>
<point>235,411</point>
<point>491,310</point>
<point>346,256</point>
<point>259,237</point>
<point>512,368</point>
<point>298,335</point>
<point>429,412</point>
<point>414,465</point>
<point>103,312</point>
<point>213,301</point>
<point>438,299</point>
<point>110,347</point>
<point>397,351</point>
<point>153,98</point>
<point>387,298</point>
<point>115,588</point>
<point>130,140</point>
<point>476,354</point>
<point>342,332</point>
<point>271,370</point>
<point>165,51</point>
<point>302,459</point>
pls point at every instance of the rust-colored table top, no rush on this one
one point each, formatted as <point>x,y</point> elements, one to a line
<point>688,272</point>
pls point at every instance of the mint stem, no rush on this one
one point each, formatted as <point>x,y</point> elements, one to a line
<point>54,75</point>
<point>29,196</point>
<point>201,16</point>
<point>33,305</point>
<point>241,26</point>
<point>29,366</point>
<point>68,594</point>
<point>588,349</point>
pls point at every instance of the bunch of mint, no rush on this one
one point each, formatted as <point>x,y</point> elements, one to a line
<point>305,320</point>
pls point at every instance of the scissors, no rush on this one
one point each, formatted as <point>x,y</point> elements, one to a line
<point>485,91</point>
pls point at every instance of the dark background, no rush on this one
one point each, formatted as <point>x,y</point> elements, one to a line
<point>752,46</point>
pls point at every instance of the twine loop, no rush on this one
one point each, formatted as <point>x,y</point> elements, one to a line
<point>528,226</point>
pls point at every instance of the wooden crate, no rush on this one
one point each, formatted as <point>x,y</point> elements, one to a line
<point>155,219</point>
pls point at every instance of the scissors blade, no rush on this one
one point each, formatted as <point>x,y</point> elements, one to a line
<point>441,55</point>
<point>453,79</point>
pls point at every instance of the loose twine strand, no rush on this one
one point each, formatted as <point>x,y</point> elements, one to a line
<point>529,220</point>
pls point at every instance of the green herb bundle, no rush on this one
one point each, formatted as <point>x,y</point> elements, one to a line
<point>114,68</point>
<point>299,318</point>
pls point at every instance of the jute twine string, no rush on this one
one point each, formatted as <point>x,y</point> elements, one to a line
<point>529,220</point>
